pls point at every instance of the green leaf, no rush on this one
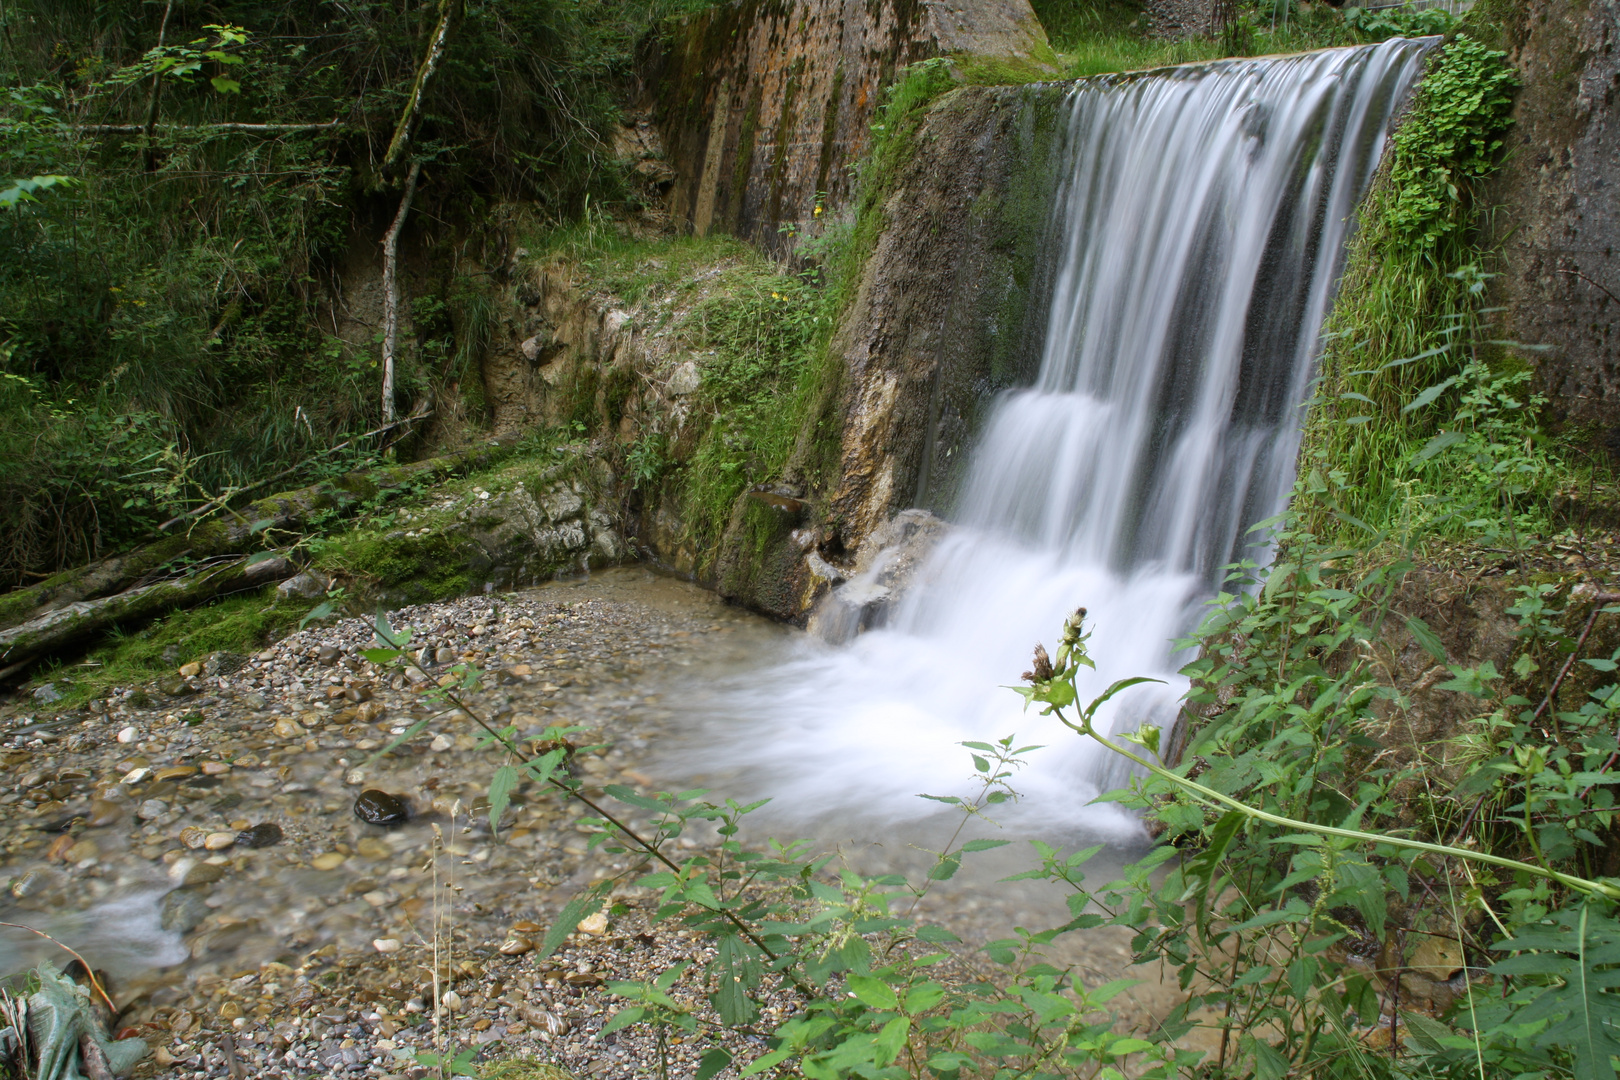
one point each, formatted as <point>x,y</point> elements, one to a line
<point>1441,442</point>
<point>760,1064</point>
<point>984,845</point>
<point>736,972</point>
<point>1424,636</point>
<point>623,1019</point>
<point>226,85</point>
<point>872,992</point>
<point>712,1063</point>
<point>1117,687</point>
<point>1121,1047</point>
<point>319,611</point>
<point>892,1039</point>
<point>500,794</point>
<point>629,797</point>
<point>586,903</point>
<point>1428,396</point>
<point>381,656</point>
<point>403,737</point>
<point>261,557</point>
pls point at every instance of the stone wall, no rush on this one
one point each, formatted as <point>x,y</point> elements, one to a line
<point>1557,205</point>
<point>764,105</point>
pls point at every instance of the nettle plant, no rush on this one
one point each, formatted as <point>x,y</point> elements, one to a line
<point>1302,864</point>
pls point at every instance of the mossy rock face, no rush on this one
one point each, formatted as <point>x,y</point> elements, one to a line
<point>519,527</point>
<point>761,564</point>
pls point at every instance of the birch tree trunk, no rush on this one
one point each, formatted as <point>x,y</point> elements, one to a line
<point>391,292</point>
<point>400,143</point>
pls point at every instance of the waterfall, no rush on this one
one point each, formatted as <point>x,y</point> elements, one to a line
<point>1201,230</point>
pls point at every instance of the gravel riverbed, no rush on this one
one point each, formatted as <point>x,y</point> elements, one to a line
<point>197,841</point>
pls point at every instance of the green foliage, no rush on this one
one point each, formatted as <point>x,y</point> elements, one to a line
<point>190,280</point>
<point>1407,317</point>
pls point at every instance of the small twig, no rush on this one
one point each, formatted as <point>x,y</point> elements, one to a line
<point>1598,602</point>
<point>1594,284</point>
<point>89,974</point>
<point>227,1045</point>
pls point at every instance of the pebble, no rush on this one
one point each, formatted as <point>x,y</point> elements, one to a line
<point>127,735</point>
<point>102,813</point>
<point>440,743</point>
<point>287,728</point>
<point>215,768</point>
<point>152,808</point>
<point>330,860</point>
<point>452,1001</point>
<point>258,836</point>
<point>594,924</point>
<point>380,808</point>
<point>517,947</point>
<point>191,670</point>
<point>174,772</point>
<point>386,945</point>
<point>219,841</point>
<point>193,837</point>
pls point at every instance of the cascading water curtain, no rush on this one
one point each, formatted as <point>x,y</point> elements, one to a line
<point>1203,227</point>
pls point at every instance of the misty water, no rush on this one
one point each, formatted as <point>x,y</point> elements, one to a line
<point>1199,236</point>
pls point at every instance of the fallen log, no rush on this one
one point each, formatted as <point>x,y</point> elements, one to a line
<point>73,623</point>
<point>244,531</point>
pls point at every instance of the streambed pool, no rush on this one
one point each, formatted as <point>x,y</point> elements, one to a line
<point>126,832</point>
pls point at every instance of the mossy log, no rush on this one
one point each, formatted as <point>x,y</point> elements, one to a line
<point>246,529</point>
<point>72,623</point>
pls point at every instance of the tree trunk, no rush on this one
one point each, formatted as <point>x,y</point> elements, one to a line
<point>391,292</point>
<point>65,626</point>
<point>148,158</point>
<point>400,143</point>
<point>287,511</point>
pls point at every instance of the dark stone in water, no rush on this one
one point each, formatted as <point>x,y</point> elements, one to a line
<point>259,835</point>
<point>380,808</point>
<point>183,909</point>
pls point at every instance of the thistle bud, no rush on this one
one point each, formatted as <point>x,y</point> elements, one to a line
<point>1041,668</point>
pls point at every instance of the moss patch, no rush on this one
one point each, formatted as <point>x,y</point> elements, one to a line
<point>243,623</point>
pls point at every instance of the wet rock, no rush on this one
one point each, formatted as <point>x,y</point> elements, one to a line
<point>329,860</point>
<point>219,841</point>
<point>328,654</point>
<point>152,808</point>
<point>380,808</point>
<point>305,586</point>
<point>261,835</point>
<point>183,910</point>
<point>188,871</point>
<point>193,837</point>
<point>176,686</point>
<point>102,813</point>
<point>288,728</point>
